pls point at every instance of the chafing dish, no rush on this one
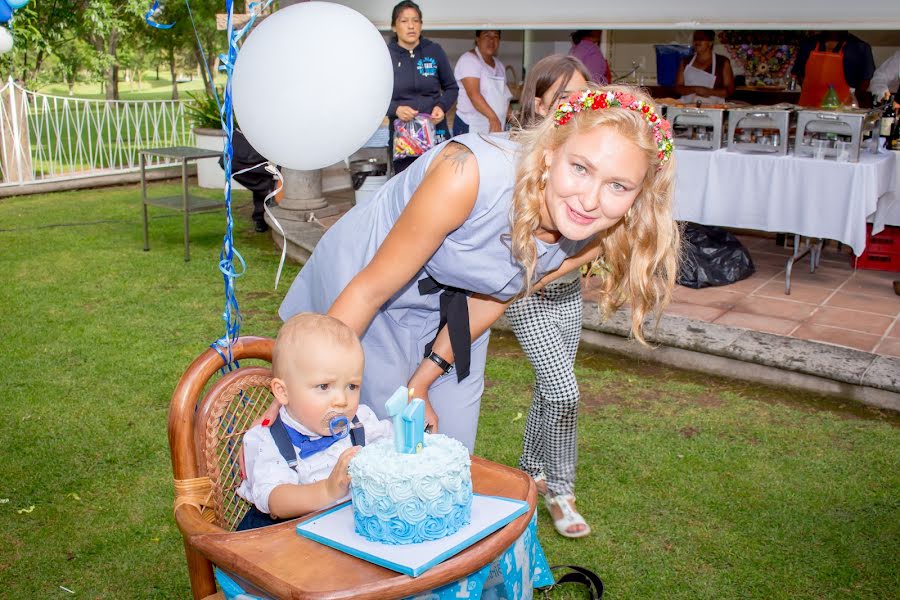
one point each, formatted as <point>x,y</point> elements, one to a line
<point>697,127</point>
<point>826,133</point>
<point>759,129</point>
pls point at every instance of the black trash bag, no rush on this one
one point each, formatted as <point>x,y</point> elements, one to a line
<point>712,256</point>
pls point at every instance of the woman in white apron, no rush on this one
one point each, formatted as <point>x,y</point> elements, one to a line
<point>707,77</point>
<point>483,95</point>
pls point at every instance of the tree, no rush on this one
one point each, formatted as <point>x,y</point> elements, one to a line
<point>104,24</point>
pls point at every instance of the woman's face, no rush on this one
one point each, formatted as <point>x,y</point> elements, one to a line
<point>408,27</point>
<point>543,105</point>
<point>594,178</point>
<point>702,45</point>
<point>488,43</point>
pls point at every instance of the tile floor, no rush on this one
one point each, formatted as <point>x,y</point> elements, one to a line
<point>836,304</point>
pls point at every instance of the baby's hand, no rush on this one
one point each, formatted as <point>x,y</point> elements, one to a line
<point>339,481</point>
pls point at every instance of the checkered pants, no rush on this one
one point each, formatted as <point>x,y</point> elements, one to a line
<point>548,327</point>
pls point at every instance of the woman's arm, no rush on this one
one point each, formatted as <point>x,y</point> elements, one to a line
<point>441,204</point>
<point>484,311</point>
<point>727,80</point>
<point>473,90</point>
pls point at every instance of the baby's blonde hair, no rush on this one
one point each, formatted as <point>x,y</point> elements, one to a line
<point>640,252</point>
<point>302,332</point>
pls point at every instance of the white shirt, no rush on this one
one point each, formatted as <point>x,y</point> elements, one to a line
<point>886,77</point>
<point>491,84</point>
<point>266,469</point>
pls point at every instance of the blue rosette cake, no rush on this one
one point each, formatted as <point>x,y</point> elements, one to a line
<point>411,498</point>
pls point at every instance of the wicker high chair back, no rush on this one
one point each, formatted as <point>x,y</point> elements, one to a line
<point>205,441</point>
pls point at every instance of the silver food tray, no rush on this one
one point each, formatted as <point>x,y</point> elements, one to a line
<point>710,119</point>
<point>852,125</point>
<point>758,118</point>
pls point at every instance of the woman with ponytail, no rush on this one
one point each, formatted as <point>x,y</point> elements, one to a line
<point>422,271</point>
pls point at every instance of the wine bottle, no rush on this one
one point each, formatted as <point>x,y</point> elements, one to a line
<point>888,116</point>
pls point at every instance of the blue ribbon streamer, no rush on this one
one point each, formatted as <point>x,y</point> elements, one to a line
<point>148,17</point>
<point>231,315</point>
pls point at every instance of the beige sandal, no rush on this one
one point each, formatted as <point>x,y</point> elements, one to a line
<point>569,517</point>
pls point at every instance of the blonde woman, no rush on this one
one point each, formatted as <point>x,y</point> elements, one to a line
<point>548,327</point>
<point>422,271</point>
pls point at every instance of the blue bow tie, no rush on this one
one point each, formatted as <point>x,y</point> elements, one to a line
<point>307,446</point>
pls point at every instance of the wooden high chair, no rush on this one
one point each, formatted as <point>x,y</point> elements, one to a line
<point>205,441</point>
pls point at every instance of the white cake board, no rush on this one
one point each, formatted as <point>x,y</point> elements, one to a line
<point>335,528</point>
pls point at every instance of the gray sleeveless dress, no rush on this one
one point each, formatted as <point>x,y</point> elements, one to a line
<point>475,257</point>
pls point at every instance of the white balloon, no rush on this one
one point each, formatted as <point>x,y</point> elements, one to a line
<point>6,40</point>
<point>311,84</point>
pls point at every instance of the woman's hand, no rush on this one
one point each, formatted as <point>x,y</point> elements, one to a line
<point>495,125</point>
<point>406,113</point>
<point>437,114</point>
<point>431,418</point>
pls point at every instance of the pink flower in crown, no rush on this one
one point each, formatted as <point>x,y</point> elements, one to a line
<point>626,99</point>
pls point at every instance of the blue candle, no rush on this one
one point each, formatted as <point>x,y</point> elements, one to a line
<point>395,406</point>
<point>414,426</point>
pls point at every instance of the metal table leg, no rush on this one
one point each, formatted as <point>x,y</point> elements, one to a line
<point>187,214</point>
<point>814,249</point>
<point>144,199</point>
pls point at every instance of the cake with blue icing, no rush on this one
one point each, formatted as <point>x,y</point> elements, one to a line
<point>401,498</point>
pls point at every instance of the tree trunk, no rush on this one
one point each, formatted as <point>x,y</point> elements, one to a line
<point>112,86</point>
<point>172,73</point>
<point>200,65</point>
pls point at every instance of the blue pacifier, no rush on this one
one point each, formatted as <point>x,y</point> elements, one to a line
<point>339,426</point>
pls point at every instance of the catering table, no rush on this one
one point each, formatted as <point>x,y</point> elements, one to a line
<point>820,199</point>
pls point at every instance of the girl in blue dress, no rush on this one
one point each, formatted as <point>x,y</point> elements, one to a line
<point>422,271</point>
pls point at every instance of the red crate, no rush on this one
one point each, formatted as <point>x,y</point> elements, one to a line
<point>885,242</point>
<point>877,262</point>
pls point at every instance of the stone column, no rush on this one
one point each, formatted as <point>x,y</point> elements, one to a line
<point>302,197</point>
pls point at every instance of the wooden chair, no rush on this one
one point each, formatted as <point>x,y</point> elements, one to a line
<point>205,441</point>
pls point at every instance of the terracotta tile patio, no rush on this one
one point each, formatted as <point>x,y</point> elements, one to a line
<point>836,304</point>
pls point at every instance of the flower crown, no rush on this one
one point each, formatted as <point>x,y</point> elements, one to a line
<point>589,99</point>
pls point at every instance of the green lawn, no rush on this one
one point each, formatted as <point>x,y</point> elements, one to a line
<point>151,88</point>
<point>696,487</point>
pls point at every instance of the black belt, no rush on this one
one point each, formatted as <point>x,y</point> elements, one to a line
<point>454,314</point>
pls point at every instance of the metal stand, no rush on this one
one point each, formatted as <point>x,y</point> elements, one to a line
<point>185,202</point>
<point>813,248</point>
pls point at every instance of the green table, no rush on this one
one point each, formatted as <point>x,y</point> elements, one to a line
<point>185,202</point>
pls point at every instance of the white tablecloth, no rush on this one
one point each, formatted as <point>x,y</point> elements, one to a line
<point>815,198</point>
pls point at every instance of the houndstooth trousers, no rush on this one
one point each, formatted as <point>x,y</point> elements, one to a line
<point>548,327</point>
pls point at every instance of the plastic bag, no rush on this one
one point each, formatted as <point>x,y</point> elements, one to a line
<point>414,137</point>
<point>712,256</point>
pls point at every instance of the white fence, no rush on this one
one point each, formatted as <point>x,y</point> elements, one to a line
<point>52,138</point>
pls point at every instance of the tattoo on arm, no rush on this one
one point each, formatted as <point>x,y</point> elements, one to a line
<point>458,155</point>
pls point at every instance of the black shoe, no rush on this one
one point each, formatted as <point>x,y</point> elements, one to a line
<point>261,227</point>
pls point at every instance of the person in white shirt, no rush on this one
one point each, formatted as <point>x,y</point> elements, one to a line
<point>483,104</point>
<point>886,78</point>
<point>318,366</point>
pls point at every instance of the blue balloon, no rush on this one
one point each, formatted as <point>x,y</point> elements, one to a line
<point>5,12</point>
<point>16,4</point>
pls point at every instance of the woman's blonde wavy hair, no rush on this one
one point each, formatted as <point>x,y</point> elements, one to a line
<point>639,254</point>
